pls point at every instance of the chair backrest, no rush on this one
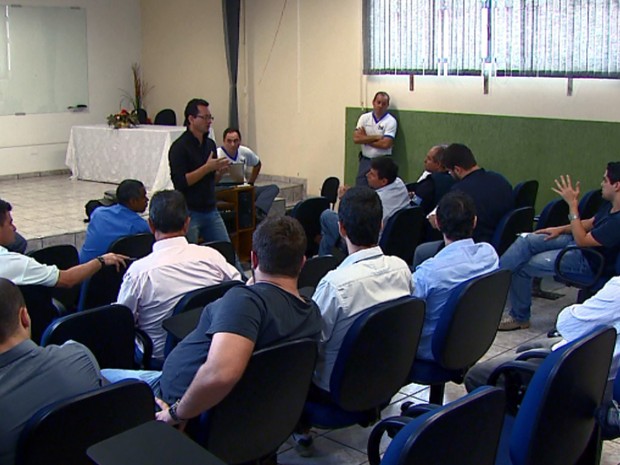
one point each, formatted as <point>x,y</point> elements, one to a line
<point>64,256</point>
<point>525,193</point>
<point>308,213</point>
<point>166,117</point>
<point>103,287</point>
<point>60,433</point>
<point>402,233</point>
<point>513,223</point>
<point>590,204</point>
<point>183,310</point>
<point>469,320</point>
<point>40,307</point>
<point>555,213</point>
<point>556,418</point>
<point>329,190</point>
<point>225,248</point>
<point>264,407</point>
<point>314,269</point>
<point>466,432</point>
<point>107,331</point>
<point>376,354</point>
<point>143,118</point>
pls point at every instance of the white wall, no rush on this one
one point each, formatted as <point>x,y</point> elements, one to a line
<point>34,143</point>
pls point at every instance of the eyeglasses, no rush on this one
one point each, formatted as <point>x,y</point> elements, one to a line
<point>206,117</point>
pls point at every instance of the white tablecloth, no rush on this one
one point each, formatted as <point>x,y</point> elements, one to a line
<point>99,153</point>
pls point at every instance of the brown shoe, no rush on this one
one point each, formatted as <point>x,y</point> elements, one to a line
<point>508,323</point>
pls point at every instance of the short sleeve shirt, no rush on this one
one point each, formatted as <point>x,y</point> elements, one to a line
<point>263,313</point>
<point>606,231</point>
<point>24,270</point>
<point>386,127</point>
<point>244,156</point>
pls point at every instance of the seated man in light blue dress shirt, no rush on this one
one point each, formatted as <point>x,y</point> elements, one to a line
<point>460,260</point>
<point>383,178</point>
<point>365,278</point>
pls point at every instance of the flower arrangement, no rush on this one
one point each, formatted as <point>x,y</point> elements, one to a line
<point>123,119</point>
<point>140,88</point>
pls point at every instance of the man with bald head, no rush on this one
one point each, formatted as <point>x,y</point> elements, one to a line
<point>435,182</point>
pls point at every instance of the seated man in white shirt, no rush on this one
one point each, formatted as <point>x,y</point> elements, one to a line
<point>460,260</point>
<point>24,270</point>
<point>383,178</point>
<point>154,284</point>
<point>365,278</point>
<point>240,154</point>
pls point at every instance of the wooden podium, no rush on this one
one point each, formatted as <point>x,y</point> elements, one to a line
<point>239,200</point>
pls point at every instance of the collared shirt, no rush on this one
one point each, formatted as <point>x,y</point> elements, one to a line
<point>108,224</point>
<point>187,154</point>
<point>244,156</point>
<point>435,279</point>
<point>24,270</point>
<point>393,197</point>
<point>603,308</point>
<point>32,377</point>
<point>386,126</point>
<point>365,278</point>
<point>154,284</point>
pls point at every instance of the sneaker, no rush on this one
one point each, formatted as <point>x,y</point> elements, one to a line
<point>305,444</point>
<point>508,323</point>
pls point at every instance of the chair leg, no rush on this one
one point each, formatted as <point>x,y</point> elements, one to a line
<point>436,395</point>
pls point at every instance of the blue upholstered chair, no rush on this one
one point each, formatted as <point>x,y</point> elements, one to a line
<point>308,213</point>
<point>590,203</point>
<point>555,213</point>
<point>525,193</point>
<point>402,233</point>
<point>372,365</point>
<point>263,408</point>
<point>464,332</point>
<point>555,421</point>
<point>60,433</point>
<point>464,432</point>
<point>513,223</point>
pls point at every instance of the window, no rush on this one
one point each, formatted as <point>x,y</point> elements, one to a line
<point>574,38</point>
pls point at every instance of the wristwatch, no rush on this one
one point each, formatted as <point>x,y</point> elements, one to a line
<point>172,411</point>
<point>101,261</point>
<point>573,216</point>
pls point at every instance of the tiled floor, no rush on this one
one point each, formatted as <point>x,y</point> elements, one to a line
<point>54,206</point>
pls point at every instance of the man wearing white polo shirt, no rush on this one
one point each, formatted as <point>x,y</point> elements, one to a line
<point>375,132</point>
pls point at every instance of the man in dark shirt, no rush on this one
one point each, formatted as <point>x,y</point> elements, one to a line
<point>437,181</point>
<point>207,364</point>
<point>32,377</point>
<point>490,191</point>
<point>534,255</point>
<point>193,167</point>
<point>268,312</point>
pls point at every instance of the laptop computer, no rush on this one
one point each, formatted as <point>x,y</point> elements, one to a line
<point>234,176</point>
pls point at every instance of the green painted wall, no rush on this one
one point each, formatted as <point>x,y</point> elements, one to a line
<point>519,148</point>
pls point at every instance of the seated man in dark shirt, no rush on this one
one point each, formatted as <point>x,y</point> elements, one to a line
<point>207,364</point>
<point>490,191</point>
<point>533,255</point>
<point>436,181</point>
<point>32,377</point>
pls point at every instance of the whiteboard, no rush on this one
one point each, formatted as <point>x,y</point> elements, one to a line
<point>43,59</point>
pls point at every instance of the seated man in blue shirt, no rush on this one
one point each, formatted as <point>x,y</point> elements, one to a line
<point>383,178</point>
<point>460,260</point>
<point>533,255</point>
<point>110,223</point>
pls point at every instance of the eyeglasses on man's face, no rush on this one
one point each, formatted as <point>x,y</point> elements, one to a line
<point>206,117</point>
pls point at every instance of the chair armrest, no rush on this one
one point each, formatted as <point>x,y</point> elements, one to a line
<point>533,354</point>
<point>147,348</point>
<point>583,283</point>
<point>390,425</point>
<point>516,378</point>
<point>419,409</point>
